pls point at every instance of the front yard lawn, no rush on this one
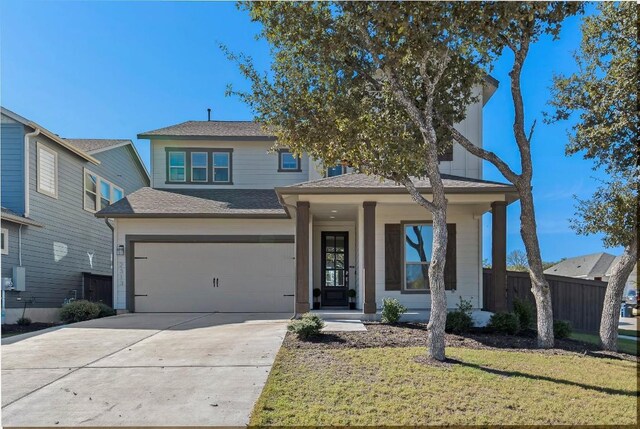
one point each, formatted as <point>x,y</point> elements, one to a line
<point>339,384</point>
<point>624,345</point>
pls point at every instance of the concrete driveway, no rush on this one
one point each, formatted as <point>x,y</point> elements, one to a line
<point>142,370</point>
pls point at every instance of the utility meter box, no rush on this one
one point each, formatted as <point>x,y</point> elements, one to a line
<point>19,279</point>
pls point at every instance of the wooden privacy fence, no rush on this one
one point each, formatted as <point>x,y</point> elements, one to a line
<point>97,288</point>
<point>578,301</point>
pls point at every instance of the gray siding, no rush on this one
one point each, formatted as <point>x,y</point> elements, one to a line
<point>73,240</point>
<point>12,166</point>
<point>10,260</point>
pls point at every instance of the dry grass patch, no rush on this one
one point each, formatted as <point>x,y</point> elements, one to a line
<point>388,386</point>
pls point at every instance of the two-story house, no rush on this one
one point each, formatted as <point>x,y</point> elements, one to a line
<point>230,225</point>
<point>51,189</point>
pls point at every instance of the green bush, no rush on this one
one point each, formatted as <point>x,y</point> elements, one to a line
<point>24,321</point>
<point>562,329</point>
<point>505,323</point>
<point>77,311</point>
<point>309,325</point>
<point>526,313</point>
<point>392,310</point>
<point>105,310</point>
<point>460,320</point>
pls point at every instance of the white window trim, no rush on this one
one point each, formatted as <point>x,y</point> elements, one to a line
<point>5,241</point>
<point>227,167</point>
<point>41,147</point>
<point>99,180</point>
<point>184,167</point>
<point>206,167</point>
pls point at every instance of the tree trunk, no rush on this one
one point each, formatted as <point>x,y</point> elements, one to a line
<point>613,297</point>
<point>539,285</point>
<point>438,316</point>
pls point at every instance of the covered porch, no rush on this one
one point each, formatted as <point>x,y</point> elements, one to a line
<point>353,238</point>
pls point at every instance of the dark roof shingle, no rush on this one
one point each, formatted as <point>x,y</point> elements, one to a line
<point>363,182</point>
<point>211,129</point>
<point>90,145</point>
<point>149,202</point>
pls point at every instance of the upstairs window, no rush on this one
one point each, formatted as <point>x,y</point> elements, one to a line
<point>287,161</point>
<point>99,193</point>
<point>177,166</point>
<point>222,167</point>
<point>199,166</point>
<point>47,171</point>
<point>337,170</point>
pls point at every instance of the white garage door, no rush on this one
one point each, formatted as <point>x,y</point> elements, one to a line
<point>206,277</point>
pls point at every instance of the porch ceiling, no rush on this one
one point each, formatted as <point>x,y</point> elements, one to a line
<point>334,212</point>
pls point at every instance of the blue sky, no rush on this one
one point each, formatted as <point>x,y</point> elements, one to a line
<point>98,69</point>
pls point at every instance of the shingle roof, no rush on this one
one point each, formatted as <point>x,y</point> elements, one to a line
<point>587,266</point>
<point>149,202</point>
<point>11,216</point>
<point>362,183</point>
<point>90,145</point>
<point>211,129</point>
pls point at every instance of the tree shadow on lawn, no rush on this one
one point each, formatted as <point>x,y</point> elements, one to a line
<point>504,373</point>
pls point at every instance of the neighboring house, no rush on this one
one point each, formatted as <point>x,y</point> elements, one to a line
<point>228,225</point>
<point>51,188</point>
<point>596,266</point>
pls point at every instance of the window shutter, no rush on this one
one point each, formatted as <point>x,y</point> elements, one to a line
<point>392,257</point>
<point>450,266</point>
<point>46,171</point>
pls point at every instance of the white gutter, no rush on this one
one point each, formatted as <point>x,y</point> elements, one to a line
<point>27,156</point>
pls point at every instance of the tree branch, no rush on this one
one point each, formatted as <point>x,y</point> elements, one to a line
<point>416,195</point>
<point>502,166</point>
<point>533,126</point>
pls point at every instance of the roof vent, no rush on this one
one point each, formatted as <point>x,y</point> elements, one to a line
<point>208,114</point>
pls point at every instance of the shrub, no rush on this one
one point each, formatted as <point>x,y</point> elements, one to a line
<point>105,310</point>
<point>460,320</point>
<point>392,310</point>
<point>317,292</point>
<point>309,325</point>
<point>505,323</point>
<point>351,293</point>
<point>526,313</point>
<point>24,321</point>
<point>315,319</point>
<point>77,311</point>
<point>561,329</point>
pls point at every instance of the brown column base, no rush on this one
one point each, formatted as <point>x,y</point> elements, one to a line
<point>370,308</point>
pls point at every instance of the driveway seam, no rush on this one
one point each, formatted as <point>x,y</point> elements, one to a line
<point>102,357</point>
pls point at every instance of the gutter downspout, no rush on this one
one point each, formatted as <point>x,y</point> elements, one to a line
<point>113,258</point>
<point>27,178</point>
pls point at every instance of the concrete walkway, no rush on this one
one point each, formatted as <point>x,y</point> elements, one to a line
<point>142,370</point>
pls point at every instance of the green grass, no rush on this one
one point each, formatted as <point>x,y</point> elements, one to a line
<point>385,386</point>
<point>624,345</point>
<point>629,332</point>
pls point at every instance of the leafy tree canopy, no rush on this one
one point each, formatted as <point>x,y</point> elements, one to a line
<point>340,69</point>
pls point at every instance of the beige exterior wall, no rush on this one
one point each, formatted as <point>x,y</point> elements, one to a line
<point>253,165</point>
<point>468,248</point>
<point>124,227</point>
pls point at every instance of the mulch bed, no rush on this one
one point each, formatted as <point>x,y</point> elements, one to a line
<point>415,335</point>
<point>15,329</point>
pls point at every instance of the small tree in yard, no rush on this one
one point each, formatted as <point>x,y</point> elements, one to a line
<point>372,84</point>
<point>604,92</point>
<point>515,26</point>
<point>517,261</point>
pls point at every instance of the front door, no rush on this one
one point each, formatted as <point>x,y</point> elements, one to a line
<point>335,268</point>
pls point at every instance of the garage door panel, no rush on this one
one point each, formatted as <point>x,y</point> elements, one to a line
<point>179,277</point>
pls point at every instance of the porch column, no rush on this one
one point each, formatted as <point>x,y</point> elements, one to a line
<point>499,254</point>
<point>302,257</point>
<point>369,256</point>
